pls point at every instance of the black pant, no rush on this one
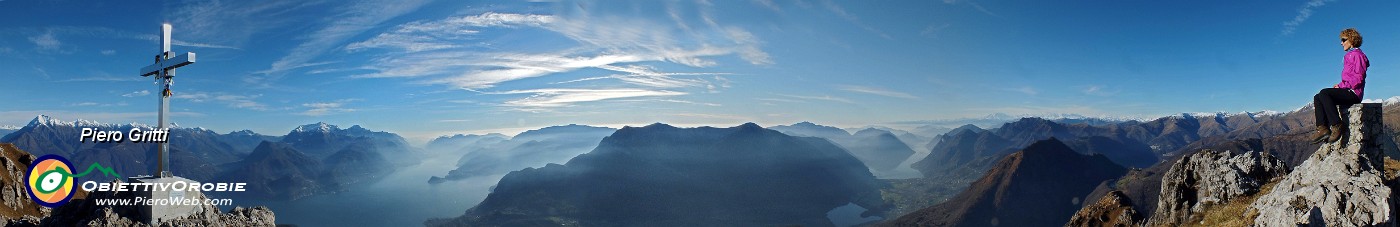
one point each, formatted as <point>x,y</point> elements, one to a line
<point>1326,101</point>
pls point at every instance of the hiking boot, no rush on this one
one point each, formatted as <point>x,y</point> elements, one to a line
<point>1322,133</point>
<point>1336,133</point>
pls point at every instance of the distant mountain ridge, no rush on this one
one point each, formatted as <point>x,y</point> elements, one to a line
<point>322,139</point>
<point>661,175</point>
<point>492,155</point>
<point>1041,185</point>
<point>879,149</point>
<point>200,154</point>
<point>971,150</point>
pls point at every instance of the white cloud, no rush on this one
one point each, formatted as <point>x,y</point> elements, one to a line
<point>841,12</point>
<point>46,41</point>
<point>1304,12</point>
<point>566,97</point>
<point>1098,90</point>
<point>233,23</point>
<point>352,21</point>
<point>768,4</point>
<point>876,91</point>
<point>235,101</point>
<point>445,34</point>
<point>821,98</point>
<point>105,79</point>
<point>108,52</point>
<point>608,41</point>
<point>458,51</point>
<point>137,93</point>
<point>326,108</point>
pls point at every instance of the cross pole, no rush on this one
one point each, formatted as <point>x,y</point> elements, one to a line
<point>164,71</point>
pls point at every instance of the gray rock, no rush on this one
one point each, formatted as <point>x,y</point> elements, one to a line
<point>1341,184</point>
<point>1211,177</point>
<point>1114,209</point>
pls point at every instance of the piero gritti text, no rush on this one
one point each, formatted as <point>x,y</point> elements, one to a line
<point>135,135</point>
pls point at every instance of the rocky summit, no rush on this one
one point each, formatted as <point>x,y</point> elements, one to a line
<point>1211,177</point>
<point>83,210</point>
<point>1341,184</point>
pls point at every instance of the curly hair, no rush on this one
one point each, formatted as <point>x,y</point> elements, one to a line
<point>1352,35</point>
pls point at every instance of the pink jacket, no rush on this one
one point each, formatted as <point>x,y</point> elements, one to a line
<point>1354,71</point>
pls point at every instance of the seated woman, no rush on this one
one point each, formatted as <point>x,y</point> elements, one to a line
<point>1347,92</point>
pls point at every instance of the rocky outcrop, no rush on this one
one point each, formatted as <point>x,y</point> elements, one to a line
<point>86,212</point>
<point>17,207</point>
<point>1341,184</point>
<point>1211,177</point>
<point>1112,210</point>
<point>19,210</point>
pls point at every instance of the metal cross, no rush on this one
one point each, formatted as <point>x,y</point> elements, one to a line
<point>164,71</point>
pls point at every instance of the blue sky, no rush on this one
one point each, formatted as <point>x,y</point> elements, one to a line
<point>428,68</point>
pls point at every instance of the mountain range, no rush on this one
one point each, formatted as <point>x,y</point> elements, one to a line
<point>493,154</point>
<point>661,175</point>
<point>1040,185</point>
<point>339,157</point>
<point>879,149</point>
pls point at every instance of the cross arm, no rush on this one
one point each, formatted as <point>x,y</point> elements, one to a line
<point>166,64</point>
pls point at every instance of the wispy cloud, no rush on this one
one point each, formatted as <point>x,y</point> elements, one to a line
<point>821,98</point>
<point>104,79</point>
<point>841,12</point>
<point>48,39</point>
<point>234,101</point>
<point>648,76</point>
<point>934,30</point>
<point>326,108</point>
<point>540,98</point>
<point>137,93</point>
<point>876,91</point>
<point>768,4</point>
<point>1304,12</point>
<point>974,5</point>
<point>352,21</point>
<point>233,23</point>
<point>45,41</point>
<point>1028,90</point>
<point>676,101</point>
<point>447,33</point>
<point>780,100</point>
<point>1098,90</point>
<point>98,104</point>
<point>451,51</point>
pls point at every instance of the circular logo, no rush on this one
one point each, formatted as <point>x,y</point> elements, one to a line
<point>50,180</point>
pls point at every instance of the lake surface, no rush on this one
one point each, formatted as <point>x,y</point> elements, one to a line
<point>402,198</point>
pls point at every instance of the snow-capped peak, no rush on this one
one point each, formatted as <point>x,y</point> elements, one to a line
<point>45,120</point>
<point>317,127</point>
<point>1388,101</point>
